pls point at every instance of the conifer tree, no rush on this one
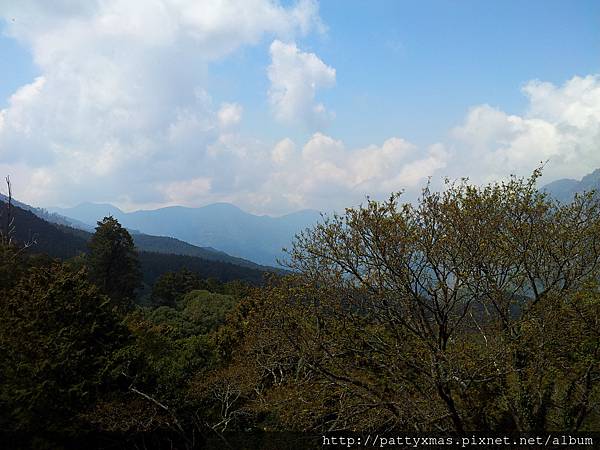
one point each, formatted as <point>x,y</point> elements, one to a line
<point>113,262</point>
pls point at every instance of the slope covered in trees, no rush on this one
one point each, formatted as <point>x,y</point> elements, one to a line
<point>45,237</point>
<point>145,242</point>
<point>155,264</point>
<point>169,245</point>
<point>60,241</point>
<point>476,309</point>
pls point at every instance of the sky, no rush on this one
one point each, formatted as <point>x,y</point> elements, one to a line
<point>282,106</point>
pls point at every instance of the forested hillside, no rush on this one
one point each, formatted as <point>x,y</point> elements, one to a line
<point>61,241</point>
<point>158,244</point>
<point>476,309</point>
<point>44,237</point>
<point>169,245</point>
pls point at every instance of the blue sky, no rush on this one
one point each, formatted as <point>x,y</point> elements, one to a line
<point>16,66</point>
<point>415,67</point>
<point>283,106</point>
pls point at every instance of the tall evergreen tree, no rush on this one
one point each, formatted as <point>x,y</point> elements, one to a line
<point>57,335</point>
<point>113,262</point>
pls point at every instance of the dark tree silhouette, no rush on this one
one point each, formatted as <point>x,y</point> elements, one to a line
<point>113,262</point>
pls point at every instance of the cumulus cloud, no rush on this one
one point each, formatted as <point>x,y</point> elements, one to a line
<point>324,173</point>
<point>187,191</point>
<point>283,151</point>
<point>120,105</point>
<point>561,126</point>
<point>295,78</point>
<point>230,114</point>
<point>120,112</point>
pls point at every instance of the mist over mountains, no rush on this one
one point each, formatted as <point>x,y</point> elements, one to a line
<point>157,254</point>
<point>221,226</point>
<point>46,224</point>
<point>566,188</point>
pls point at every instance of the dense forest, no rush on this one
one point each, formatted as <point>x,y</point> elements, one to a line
<point>474,309</point>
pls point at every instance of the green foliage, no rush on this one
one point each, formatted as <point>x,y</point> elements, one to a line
<point>475,309</point>
<point>206,310</point>
<point>162,358</point>
<point>113,262</point>
<point>57,333</point>
<point>156,264</point>
<point>172,347</point>
<point>171,286</point>
<point>12,265</point>
<point>198,312</point>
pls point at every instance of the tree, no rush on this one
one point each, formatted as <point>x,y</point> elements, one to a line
<point>8,225</point>
<point>57,335</point>
<point>475,309</point>
<point>171,286</point>
<point>113,262</point>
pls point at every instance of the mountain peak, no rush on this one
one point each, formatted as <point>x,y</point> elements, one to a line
<point>591,179</point>
<point>222,206</point>
<point>98,206</point>
<point>219,225</point>
<point>565,188</point>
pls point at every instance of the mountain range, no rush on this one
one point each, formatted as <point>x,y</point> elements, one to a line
<point>157,254</point>
<point>566,188</point>
<point>218,231</point>
<point>144,242</point>
<point>219,226</point>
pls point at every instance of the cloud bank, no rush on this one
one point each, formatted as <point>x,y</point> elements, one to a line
<point>121,113</point>
<point>561,125</point>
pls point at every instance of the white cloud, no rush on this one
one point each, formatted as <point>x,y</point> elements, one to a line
<point>326,174</point>
<point>120,104</point>
<point>187,192</point>
<point>283,151</point>
<point>413,175</point>
<point>120,113</point>
<point>575,103</point>
<point>323,149</point>
<point>295,78</point>
<point>561,126</point>
<point>230,114</point>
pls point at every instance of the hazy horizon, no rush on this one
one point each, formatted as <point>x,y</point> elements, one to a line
<point>131,210</point>
<point>208,205</point>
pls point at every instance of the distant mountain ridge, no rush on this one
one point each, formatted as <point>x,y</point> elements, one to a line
<point>260,239</point>
<point>564,189</point>
<point>221,226</point>
<point>144,242</point>
<point>49,216</point>
<point>61,241</point>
